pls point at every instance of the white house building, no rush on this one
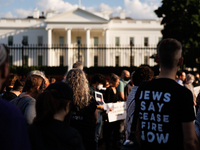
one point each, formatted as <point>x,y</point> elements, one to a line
<point>80,27</point>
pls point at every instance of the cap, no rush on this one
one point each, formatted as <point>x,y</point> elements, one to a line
<point>3,54</point>
<point>37,73</point>
<point>63,89</point>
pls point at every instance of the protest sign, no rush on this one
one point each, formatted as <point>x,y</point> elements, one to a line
<point>118,111</point>
<point>99,98</point>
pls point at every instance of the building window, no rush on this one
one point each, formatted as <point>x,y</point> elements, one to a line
<point>10,60</point>
<point>117,41</point>
<point>25,40</point>
<point>117,61</point>
<point>78,40</point>
<point>40,40</point>
<point>95,61</point>
<point>159,39</point>
<point>132,63</point>
<point>39,60</point>
<point>95,41</point>
<point>146,60</point>
<point>61,41</point>
<point>10,40</point>
<point>61,61</point>
<point>131,41</point>
<point>146,41</point>
<point>25,63</point>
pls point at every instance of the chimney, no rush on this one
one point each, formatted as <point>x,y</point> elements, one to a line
<point>122,14</point>
<point>50,13</point>
<point>36,13</point>
<point>106,14</point>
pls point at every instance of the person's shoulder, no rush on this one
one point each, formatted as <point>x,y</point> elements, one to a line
<point>28,99</point>
<point>121,83</point>
<point>9,110</point>
<point>132,93</point>
<point>127,85</point>
<point>92,103</point>
<point>108,88</point>
<point>120,87</point>
<point>72,130</point>
<point>91,87</point>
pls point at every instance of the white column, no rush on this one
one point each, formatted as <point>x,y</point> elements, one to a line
<point>87,41</point>
<point>69,56</point>
<point>49,42</point>
<point>107,51</point>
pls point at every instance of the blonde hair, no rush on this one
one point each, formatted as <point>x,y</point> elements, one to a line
<point>77,80</point>
<point>189,78</point>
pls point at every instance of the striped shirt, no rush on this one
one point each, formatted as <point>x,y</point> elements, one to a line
<point>130,105</point>
<point>197,123</point>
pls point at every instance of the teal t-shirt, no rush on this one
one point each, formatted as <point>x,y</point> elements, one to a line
<point>122,84</point>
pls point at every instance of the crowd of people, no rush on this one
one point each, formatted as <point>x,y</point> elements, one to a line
<point>162,112</point>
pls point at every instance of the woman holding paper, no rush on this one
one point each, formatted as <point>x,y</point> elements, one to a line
<point>111,129</point>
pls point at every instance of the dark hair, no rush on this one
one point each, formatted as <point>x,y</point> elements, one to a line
<point>53,99</point>
<point>47,105</point>
<point>32,83</point>
<point>12,79</point>
<point>113,78</point>
<point>98,78</point>
<point>179,73</point>
<point>104,85</point>
<point>78,65</point>
<point>142,73</point>
<point>167,50</point>
<point>53,80</point>
<point>19,84</point>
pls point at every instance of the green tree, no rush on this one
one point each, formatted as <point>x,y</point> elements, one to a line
<point>181,20</point>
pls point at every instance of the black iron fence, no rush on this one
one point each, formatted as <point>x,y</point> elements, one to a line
<point>62,55</point>
<point>93,56</point>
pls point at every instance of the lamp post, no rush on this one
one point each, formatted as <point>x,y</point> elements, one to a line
<point>78,51</point>
<point>131,44</point>
<point>22,58</point>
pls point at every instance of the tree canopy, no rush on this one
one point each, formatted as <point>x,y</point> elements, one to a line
<point>181,20</point>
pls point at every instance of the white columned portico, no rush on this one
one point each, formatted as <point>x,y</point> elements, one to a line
<point>106,53</point>
<point>49,42</point>
<point>69,58</point>
<point>87,38</point>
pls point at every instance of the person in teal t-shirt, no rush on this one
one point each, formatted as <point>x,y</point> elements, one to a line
<point>125,76</point>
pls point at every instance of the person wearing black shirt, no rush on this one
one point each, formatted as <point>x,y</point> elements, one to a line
<point>196,81</point>
<point>96,85</point>
<point>111,129</point>
<point>16,91</point>
<point>85,115</point>
<point>164,109</point>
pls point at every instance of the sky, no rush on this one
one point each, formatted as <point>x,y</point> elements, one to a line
<point>136,9</point>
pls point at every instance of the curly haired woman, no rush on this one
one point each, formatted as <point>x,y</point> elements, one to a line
<point>85,113</point>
